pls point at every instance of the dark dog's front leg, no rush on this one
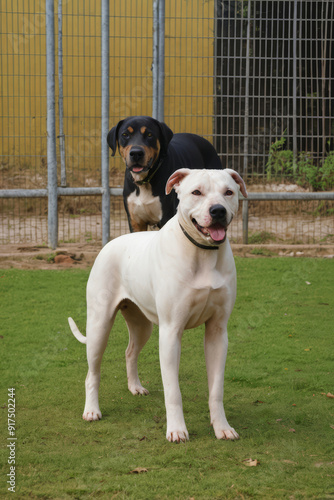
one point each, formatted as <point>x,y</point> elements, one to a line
<point>128,214</point>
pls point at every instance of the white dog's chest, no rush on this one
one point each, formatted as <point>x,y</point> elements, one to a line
<point>190,310</point>
<point>145,206</point>
<point>203,303</point>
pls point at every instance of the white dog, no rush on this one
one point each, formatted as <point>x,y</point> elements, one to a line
<point>179,278</point>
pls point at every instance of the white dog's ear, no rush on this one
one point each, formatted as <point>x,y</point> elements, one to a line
<point>176,178</point>
<point>238,180</point>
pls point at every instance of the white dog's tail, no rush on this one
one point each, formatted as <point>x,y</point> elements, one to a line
<point>76,332</point>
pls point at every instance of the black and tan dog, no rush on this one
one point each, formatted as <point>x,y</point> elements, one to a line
<point>152,153</point>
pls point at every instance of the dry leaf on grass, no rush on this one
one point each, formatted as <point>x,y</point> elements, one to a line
<point>250,462</point>
<point>329,395</point>
<point>138,470</point>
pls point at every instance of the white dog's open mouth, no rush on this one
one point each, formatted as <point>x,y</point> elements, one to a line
<point>216,231</point>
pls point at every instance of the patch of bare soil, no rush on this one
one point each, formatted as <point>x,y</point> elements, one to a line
<point>82,256</point>
<point>40,257</point>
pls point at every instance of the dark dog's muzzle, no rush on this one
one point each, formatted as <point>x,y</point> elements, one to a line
<point>136,154</point>
<point>136,161</point>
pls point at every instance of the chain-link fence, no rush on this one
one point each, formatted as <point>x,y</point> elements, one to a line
<point>274,80</point>
<point>254,77</point>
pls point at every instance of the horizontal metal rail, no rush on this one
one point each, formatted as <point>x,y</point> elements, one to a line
<point>325,195</point>
<point>95,191</point>
<point>61,191</point>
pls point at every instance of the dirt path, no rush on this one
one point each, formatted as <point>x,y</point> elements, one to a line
<point>82,256</point>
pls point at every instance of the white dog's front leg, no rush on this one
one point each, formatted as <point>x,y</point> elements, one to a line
<point>92,410</point>
<point>170,352</point>
<point>216,343</point>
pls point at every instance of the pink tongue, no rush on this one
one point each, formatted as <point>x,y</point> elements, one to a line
<point>217,232</point>
<point>137,169</point>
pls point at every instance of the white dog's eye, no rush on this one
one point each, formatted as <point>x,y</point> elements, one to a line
<point>196,192</point>
<point>228,193</point>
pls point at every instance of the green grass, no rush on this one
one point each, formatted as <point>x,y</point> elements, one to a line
<point>279,370</point>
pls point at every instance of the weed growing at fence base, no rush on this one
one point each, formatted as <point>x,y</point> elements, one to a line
<point>279,371</point>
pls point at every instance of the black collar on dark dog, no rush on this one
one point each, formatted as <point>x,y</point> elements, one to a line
<point>205,247</point>
<point>150,175</point>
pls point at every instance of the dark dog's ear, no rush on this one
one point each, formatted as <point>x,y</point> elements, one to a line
<point>112,137</point>
<point>166,135</point>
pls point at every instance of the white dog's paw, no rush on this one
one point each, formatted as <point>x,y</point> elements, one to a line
<point>137,389</point>
<point>92,415</point>
<point>229,433</point>
<point>177,436</point>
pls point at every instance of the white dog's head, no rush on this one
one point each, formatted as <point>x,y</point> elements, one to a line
<point>208,202</point>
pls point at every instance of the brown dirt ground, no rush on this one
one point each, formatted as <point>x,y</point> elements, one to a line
<point>82,256</point>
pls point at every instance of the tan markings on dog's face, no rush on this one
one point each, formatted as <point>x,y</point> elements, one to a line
<point>124,152</point>
<point>143,139</point>
<point>158,147</point>
<point>151,154</point>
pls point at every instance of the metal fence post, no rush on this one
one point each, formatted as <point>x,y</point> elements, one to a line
<point>105,120</point>
<point>155,66</point>
<point>246,118</point>
<point>51,127</point>
<point>60,97</point>
<point>161,56</point>
<point>294,92</point>
<point>245,222</point>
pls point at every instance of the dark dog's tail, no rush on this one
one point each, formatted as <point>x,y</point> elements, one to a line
<point>76,332</point>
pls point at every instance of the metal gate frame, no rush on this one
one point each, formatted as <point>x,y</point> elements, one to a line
<point>53,191</point>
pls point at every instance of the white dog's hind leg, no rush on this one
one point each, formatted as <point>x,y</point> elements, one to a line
<point>170,352</point>
<point>97,337</point>
<point>216,343</point>
<point>140,329</point>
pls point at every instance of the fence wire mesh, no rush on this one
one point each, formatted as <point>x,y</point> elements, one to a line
<point>274,79</point>
<point>244,74</point>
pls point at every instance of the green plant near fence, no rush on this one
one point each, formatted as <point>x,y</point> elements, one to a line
<point>301,170</point>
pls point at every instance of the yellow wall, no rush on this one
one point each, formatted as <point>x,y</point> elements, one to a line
<point>188,84</point>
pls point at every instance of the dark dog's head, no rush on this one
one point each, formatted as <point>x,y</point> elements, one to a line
<point>141,141</point>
